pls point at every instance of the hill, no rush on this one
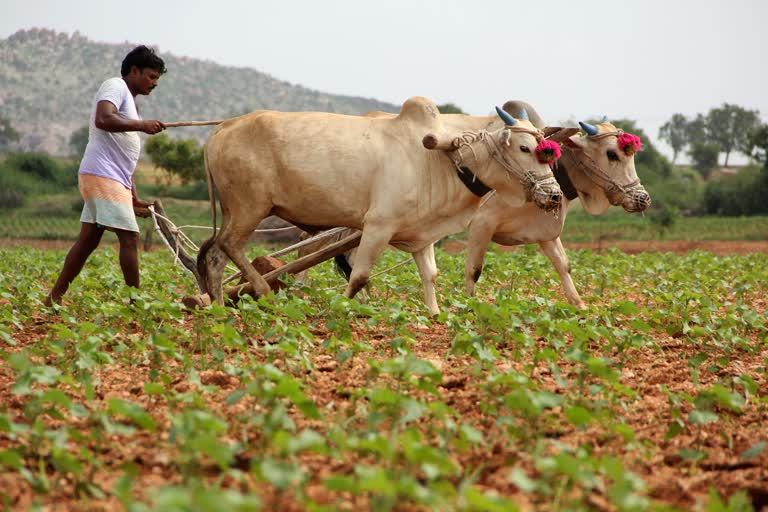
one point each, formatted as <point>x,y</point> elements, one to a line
<point>47,81</point>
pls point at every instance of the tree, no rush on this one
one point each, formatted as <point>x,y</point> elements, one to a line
<point>449,108</point>
<point>182,158</point>
<point>758,141</point>
<point>729,127</point>
<point>696,130</point>
<point>704,156</point>
<point>78,140</point>
<point>675,133</point>
<point>8,136</point>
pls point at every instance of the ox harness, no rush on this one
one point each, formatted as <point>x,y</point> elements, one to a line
<point>595,173</point>
<point>464,143</point>
<point>472,182</point>
<point>566,185</point>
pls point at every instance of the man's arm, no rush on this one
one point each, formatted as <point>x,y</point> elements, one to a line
<point>139,205</point>
<point>108,119</point>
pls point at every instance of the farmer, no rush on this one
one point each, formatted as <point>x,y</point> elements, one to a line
<point>106,171</point>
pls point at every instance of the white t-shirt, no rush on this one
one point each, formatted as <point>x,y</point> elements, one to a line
<point>112,154</point>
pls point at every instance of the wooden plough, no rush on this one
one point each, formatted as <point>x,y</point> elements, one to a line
<point>175,240</point>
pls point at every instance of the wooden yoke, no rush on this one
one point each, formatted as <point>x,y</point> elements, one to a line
<point>442,141</point>
<point>557,134</point>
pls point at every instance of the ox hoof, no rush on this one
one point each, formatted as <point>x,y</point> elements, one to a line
<point>196,301</point>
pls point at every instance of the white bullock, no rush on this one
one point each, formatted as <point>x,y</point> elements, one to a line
<point>323,170</point>
<point>598,168</point>
<point>593,168</point>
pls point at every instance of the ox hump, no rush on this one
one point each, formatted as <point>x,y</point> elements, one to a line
<point>419,110</point>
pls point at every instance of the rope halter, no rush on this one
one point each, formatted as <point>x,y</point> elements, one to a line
<point>539,187</point>
<point>616,192</point>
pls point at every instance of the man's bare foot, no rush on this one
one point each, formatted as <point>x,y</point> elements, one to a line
<point>50,300</point>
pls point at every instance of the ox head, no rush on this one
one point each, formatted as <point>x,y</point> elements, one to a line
<point>604,172</point>
<point>511,160</point>
<point>523,153</point>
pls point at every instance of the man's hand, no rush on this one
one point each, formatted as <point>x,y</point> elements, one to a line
<point>152,126</point>
<point>141,207</point>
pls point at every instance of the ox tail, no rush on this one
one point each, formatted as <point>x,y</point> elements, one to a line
<point>202,268</point>
<point>343,266</point>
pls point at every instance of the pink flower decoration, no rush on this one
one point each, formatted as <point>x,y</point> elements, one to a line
<point>547,151</point>
<point>630,144</point>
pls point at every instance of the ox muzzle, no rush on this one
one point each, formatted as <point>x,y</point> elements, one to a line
<point>633,199</point>
<point>544,192</point>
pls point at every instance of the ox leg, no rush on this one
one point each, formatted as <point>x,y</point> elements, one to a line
<point>232,243</point>
<point>373,241</point>
<point>425,261</point>
<point>214,260</point>
<point>480,235</point>
<point>556,253</point>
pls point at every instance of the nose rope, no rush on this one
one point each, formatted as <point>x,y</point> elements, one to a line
<point>596,173</point>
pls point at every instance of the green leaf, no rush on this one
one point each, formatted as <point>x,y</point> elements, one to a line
<point>579,416</point>
<point>11,459</point>
<point>133,412</point>
<point>702,417</point>
<point>753,451</point>
<point>675,428</point>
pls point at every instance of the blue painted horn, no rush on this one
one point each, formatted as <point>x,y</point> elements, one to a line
<point>523,115</point>
<point>591,130</point>
<point>508,119</point>
<point>604,119</point>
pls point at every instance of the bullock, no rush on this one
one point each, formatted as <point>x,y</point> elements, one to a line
<point>598,168</point>
<point>321,170</point>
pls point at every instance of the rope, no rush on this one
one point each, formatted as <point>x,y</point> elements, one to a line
<point>393,267</point>
<point>596,173</point>
<point>315,238</point>
<point>191,226</point>
<point>528,179</point>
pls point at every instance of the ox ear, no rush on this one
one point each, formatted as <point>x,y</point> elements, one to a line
<point>575,141</point>
<point>505,136</point>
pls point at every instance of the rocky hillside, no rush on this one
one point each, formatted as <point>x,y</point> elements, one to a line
<point>47,81</point>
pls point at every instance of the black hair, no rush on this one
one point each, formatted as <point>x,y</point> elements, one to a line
<point>142,57</point>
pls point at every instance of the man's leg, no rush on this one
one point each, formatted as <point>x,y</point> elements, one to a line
<point>129,256</point>
<point>87,242</point>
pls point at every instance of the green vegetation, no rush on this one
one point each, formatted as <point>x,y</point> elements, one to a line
<point>307,400</point>
<point>723,129</point>
<point>180,159</point>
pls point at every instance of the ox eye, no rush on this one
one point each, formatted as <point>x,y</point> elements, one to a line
<point>612,156</point>
<point>525,149</point>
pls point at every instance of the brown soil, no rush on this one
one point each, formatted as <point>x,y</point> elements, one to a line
<point>719,247</point>
<point>669,479</point>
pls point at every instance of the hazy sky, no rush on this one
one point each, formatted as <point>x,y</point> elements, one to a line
<point>642,60</point>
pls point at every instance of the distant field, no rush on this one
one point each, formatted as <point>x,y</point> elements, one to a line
<point>56,217</point>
